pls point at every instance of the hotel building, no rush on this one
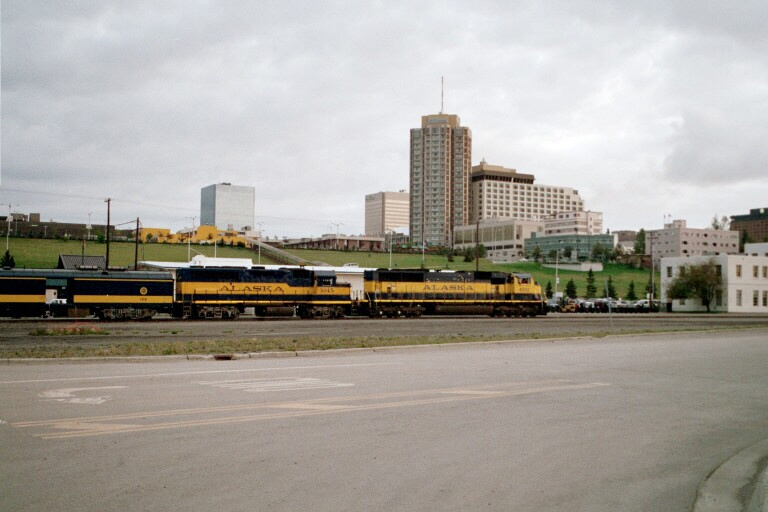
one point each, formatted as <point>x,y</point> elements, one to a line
<point>440,165</point>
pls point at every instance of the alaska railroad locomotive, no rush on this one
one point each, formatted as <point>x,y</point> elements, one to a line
<point>226,292</point>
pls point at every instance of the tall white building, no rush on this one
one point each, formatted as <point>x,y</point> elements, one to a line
<point>228,207</point>
<point>441,160</point>
<point>386,212</point>
<point>501,192</point>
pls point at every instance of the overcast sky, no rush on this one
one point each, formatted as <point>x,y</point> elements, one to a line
<point>648,108</point>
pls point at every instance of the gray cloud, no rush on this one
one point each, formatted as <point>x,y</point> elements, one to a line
<point>311,102</point>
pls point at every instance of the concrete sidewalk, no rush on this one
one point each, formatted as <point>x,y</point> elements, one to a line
<point>740,484</point>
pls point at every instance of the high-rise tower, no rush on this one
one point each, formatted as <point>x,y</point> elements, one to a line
<point>227,206</point>
<point>441,162</point>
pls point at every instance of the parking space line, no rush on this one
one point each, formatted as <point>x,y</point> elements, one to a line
<point>101,425</point>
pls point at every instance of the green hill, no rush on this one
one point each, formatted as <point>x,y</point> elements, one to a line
<point>37,253</point>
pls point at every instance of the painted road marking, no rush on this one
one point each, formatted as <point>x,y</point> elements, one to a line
<point>67,395</point>
<point>262,385</point>
<point>152,420</point>
<point>202,372</point>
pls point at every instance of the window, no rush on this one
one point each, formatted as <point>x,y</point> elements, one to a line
<point>738,297</point>
<point>669,271</point>
<point>738,270</point>
<point>718,297</point>
<point>765,298</point>
<point>754,272</point>
<point>755,297</point>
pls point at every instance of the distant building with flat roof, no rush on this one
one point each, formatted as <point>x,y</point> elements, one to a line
<point>228,207</point>
<point>677,239</point>
<point>503,239</point>
<point>497,191</point>
<point>386,212</point>
<point>752,227</point>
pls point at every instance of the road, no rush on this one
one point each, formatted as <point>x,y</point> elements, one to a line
<point>21,334</point>
<point>631,423</point>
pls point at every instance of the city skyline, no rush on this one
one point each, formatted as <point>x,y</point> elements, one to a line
<point>646,110</point>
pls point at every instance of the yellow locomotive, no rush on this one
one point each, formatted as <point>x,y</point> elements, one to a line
<point>411,293</point>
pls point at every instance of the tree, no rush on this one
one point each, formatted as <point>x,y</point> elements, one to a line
<point>567,251</point>
<point>722,223</point>
<point>570,289</point>
<point>536,253</point>
<point>591,288</point>
<point>640,242</point>
<point>610,290</point>
<point>549,289</point>
<point>696,282</point>
<point>7,261</point>
<point>631,294</point>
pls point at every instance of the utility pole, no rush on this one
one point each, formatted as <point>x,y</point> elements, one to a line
<point>109,205</point>
<point>136,252</point>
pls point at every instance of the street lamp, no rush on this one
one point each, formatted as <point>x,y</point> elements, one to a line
<point>557,278</point>
<point>189,239</point>
<point>260,239</point>
<point>337,224</point>
<point>10,206</point>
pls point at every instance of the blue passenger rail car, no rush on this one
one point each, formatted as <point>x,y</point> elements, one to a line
<point>121,295</point>
<point>22,293</point>
<point>113,295</point>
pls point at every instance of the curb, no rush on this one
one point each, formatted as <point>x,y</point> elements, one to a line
<point>739,484</point>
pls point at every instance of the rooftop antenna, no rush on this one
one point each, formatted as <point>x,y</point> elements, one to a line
<point>442,88</point>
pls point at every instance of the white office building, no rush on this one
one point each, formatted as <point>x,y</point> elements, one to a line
<point>500,192</point>
<point>504,239</point>
<point>386,213</point>
<point>743,289</point>
<point>228,207</point>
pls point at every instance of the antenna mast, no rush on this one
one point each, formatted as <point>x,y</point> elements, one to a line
<point>442,88</point>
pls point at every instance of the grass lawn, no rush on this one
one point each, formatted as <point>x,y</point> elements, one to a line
<point>37,253</point>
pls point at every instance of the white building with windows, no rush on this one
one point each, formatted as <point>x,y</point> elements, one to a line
<point>386,212</point>
<point>441,156</point>
<point>574,223</point>
<point>503,239</point>
<point>744,287</point>
<point>497,191</point>
<point>677,239</point>
<point>228,207</point>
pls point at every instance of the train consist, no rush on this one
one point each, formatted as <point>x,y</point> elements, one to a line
<point>226,292</point>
